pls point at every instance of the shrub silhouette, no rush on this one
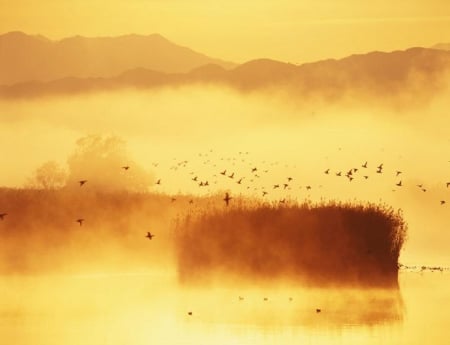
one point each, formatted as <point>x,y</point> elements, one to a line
<point>325,244</point>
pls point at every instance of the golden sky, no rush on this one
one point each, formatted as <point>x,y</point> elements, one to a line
<point>288,30</point>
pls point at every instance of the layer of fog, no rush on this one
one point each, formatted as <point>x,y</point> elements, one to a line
<point>285,136</point>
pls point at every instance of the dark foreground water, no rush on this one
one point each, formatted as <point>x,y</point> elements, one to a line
<point>152,309</point>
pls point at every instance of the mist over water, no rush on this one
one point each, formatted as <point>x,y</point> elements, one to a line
<point>219,128</point>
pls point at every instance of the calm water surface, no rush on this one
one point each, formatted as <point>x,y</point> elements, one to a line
<point>153,309</point>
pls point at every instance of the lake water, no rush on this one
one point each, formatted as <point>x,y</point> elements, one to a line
<point>137,309</point>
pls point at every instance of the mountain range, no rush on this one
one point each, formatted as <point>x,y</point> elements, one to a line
<point>94,66</point>
<point>35,58</point>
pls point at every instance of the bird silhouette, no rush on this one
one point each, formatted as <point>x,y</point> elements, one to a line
<point>149,235</point>
<point>82,182</point>
<point>318,310</point>
<point>275,186</point>
<point>448,184</point>
<point>241,298</point>
<point>3,215</point>
<point>264,193</point>
<point>158,182</point>
<point>231,176</point>
<point>399,183</point>
<point>442,202</point>
<point>223,172</point>
<point>339,173</point>
<point>240,181</point>
<point>398,172</point>
<point>308,187</point>
<point>227,198</point>
<point>327,171</point>
<point>126,167</point>
<point>289,179</point>
<point>80,221</point>
<point>366,177</point>
<point>364,165</point>
<point>190,313</point>
<point>254,170</point>
<point>285,185</point>
<point>173,199</point>
<point>195,178</point>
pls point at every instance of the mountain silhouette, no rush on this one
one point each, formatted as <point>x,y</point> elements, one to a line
<point>25,58</point>
<point>442,46</point>
<point>419,70</point>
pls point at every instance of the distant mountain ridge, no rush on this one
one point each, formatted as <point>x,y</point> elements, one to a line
<point>442,46</point>
<point>26,58</point>
<point>419,70</point>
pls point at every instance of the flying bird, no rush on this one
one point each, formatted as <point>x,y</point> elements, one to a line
<point>82,182</point>
<point>289,179</point>
<point>158,182</point>
<point>227,198</point>
<point>3,215</point>
<point>364,165</point>
<point>398,172</point>
<point>224,172</point>
<point>231,176</point>
<point>327,171</point>
<point>399,183</point>
<point>149,235</point>
<point>126,167</point>
<point>442,202</point>
<point>448,184</point>
<point>80,221</point>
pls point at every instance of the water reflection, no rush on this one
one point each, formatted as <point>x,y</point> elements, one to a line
<point>153,309</point>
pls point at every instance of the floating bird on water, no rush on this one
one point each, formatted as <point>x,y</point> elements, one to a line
<point>80,221</point>
<point>82,182</point>
<point>3,215</point>
<point>149,235</point>
<point>227,198</point>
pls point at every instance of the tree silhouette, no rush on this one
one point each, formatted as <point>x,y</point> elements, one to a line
<point>49,175</point>
<point>99,159</point>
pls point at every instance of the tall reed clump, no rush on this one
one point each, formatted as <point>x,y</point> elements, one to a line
<point>326,244</point>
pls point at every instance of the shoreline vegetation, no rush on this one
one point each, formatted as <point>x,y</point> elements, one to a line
<point>326,244</point>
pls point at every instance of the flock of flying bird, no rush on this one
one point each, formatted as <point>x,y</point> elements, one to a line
<point>255,174</point>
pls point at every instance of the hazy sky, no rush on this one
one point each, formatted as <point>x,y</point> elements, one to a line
<point>288,30</point>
